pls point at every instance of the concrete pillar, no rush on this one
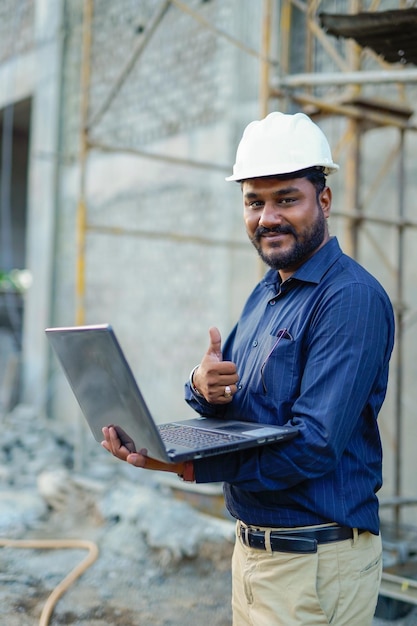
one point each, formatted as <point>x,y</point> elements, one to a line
<point>42,188</point>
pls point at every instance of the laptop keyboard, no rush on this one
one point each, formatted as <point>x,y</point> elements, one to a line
<point>189,437</point>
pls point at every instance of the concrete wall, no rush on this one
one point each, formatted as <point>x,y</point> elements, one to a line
<point>166,253</point>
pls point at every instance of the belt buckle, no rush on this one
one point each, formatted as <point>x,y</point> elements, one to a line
<point>293,543</point>
<point>277,542</point>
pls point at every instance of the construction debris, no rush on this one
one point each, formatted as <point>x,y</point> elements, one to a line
<point>160,560</point>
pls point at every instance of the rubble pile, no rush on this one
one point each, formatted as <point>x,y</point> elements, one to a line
<point>160,560</point>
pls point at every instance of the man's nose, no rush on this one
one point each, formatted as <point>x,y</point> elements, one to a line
<point>270,216</point>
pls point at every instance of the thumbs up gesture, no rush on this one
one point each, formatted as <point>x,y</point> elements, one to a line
<point>216,379</point>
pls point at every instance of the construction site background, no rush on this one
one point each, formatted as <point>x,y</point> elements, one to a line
<point>120,121</point>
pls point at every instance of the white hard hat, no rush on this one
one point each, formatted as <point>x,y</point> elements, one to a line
<point>281,144</point>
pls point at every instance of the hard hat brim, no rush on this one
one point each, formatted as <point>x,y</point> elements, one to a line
<point>328,168</point>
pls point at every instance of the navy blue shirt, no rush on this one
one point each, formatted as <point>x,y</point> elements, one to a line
<point>313,352</point>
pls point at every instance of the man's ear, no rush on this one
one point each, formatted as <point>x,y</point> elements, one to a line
<point>325,201</point>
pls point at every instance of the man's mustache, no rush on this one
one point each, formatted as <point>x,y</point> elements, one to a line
<point>281,230</point>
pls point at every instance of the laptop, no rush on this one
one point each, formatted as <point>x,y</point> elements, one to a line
<point>108,394</point>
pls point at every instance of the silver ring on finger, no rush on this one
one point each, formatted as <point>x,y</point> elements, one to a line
<point>227,392</point>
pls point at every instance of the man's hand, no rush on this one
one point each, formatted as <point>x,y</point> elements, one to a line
<point>216,379</point>
<point>114,445</point>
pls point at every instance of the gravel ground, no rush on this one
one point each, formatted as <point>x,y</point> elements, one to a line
<point>157,575</point>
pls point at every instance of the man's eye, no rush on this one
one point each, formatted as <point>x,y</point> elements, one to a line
<point>256,204</point>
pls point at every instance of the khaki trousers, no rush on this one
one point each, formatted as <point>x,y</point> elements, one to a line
<point>337,585</point>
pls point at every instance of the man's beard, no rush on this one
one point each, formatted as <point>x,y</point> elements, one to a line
<point>305,243</point>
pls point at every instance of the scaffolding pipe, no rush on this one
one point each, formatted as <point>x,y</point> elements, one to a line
<point>348,110</point>
<point>359,216</point>
<point>265,65</point>
<point>285,38</point>
<point>167,158</point>
<point>81,207</point>
<point>118,231</point>
<point>353,161</point>
<point>399,311</point>
<point>332,79</point>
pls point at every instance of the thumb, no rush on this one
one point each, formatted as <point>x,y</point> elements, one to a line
<point>215,347</point>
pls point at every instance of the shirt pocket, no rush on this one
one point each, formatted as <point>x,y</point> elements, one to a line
<point>276,383</point>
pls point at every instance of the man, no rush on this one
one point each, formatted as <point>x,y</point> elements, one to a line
<point>311,348</point>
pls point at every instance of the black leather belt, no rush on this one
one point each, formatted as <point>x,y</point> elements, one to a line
<point>295,540</point>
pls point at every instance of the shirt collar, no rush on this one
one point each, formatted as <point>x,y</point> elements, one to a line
<point>313,270</point>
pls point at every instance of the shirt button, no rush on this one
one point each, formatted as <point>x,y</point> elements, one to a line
<point>255,343</point>
<point>272,302</point>
<point>239,387</point>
